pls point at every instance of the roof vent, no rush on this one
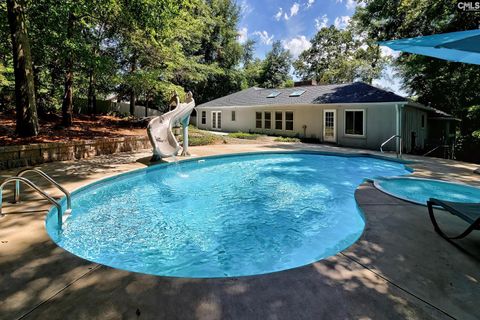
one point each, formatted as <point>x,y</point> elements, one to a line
<point>273,94</point>
<point>297,93</point>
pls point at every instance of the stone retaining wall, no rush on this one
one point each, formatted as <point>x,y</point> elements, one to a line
<point>33,154</point>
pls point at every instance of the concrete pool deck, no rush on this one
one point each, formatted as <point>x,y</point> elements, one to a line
<point>400,268</point>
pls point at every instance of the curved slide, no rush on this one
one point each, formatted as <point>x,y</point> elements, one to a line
<point>160,129</point>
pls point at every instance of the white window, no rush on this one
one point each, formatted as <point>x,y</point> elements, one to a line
<point>216,120</point>
<point>355,122</point>
<point>233,115</point>
<point>204,117</point>
<point>267,116</point>
<point>278,120</point>
<point>258,120</point>
<point>288,120</point>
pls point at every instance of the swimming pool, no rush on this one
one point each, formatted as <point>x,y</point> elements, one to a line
<point>223,216</point>
<point>419,190</point>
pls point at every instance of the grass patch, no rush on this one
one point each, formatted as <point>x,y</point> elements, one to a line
<point>244,135</point>
<point>286,139</point>
<point>198,137</point>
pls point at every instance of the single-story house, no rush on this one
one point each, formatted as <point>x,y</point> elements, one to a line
<point>352,115</point>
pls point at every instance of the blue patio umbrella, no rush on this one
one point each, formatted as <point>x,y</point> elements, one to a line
<point>462,46</point>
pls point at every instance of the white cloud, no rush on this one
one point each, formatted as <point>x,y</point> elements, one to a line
<point>310,3</point>
<point>387,52</point>
<point>294,9</point>
<point>278,15</point>
<point>296,45</point>
<point>341,22</point>
<point>293,12</point>
<point>242,35</point>
<point>350,4</point>
<point>265,38</point>
<point>245,8</point>
<point>321,22</point>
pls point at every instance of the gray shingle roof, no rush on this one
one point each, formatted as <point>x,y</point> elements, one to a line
<point>441,115</point>
<point>357,92</point>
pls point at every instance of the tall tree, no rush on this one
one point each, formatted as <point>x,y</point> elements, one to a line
<point>67,103</point>
<point>145,28</point>
<point>26,110</point>
<point>338,56</point>
<point>253,72</point>
<point>219,52</point>
<point>276,67</point>
<point>248,53</point>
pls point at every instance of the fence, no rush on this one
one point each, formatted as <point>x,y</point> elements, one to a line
<point>105,106</point>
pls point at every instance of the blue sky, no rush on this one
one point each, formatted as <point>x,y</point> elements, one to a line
<point>295,22</point>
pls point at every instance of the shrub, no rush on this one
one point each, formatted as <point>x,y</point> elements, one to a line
<point>468,148</point>
<point>244,135</point>
<point>286,139</point>
<point>203,140</point>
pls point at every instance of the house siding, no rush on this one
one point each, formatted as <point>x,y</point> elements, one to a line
<point>412,124</point>
<point>379,126</point>
<point>380,122</point>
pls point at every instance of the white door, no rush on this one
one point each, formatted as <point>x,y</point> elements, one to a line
<point>216,120</point>
<point>329,125</point>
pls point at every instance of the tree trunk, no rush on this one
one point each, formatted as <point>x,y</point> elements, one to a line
<point>146,106</point>
<point>132,91</point>
<point>38,98</point>
<point>26,109</point>
<point>92,98</point>
<point>132,102</point>
<point>67,104</point>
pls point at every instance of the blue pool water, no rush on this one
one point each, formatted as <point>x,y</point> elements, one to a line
<point>221,217</point>
<point>420,190</point>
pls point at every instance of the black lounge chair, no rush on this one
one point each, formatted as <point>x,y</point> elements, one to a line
<point>469,212</point>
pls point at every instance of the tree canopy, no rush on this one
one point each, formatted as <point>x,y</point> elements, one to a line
<point>338,56</point>
<point>275,71</point>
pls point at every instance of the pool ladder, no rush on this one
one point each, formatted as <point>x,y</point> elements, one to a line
<point>16,192</point>
<point>399,146</point>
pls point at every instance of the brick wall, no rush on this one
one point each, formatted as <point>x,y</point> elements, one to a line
<point>33,154</point>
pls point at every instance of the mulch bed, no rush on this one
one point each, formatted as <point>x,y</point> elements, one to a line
<point>84,128</point>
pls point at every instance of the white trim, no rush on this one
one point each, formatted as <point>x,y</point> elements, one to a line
<point>364,124</point>
<point>328,105</point>
<point>217,113</point>
<point>334,111</point>
<point>398,120</point>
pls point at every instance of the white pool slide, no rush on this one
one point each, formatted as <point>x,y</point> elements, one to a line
<point>160,129</point>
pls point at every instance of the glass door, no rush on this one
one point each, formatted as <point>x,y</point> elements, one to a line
<point>329,125</point>
<point>216,120</point>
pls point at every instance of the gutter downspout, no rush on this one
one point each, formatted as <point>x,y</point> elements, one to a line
<point>399,128</point>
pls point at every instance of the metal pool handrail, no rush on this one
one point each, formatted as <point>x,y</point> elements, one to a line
<point>36,188</point>
<point>16,192</point>
<point>399,152</point>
